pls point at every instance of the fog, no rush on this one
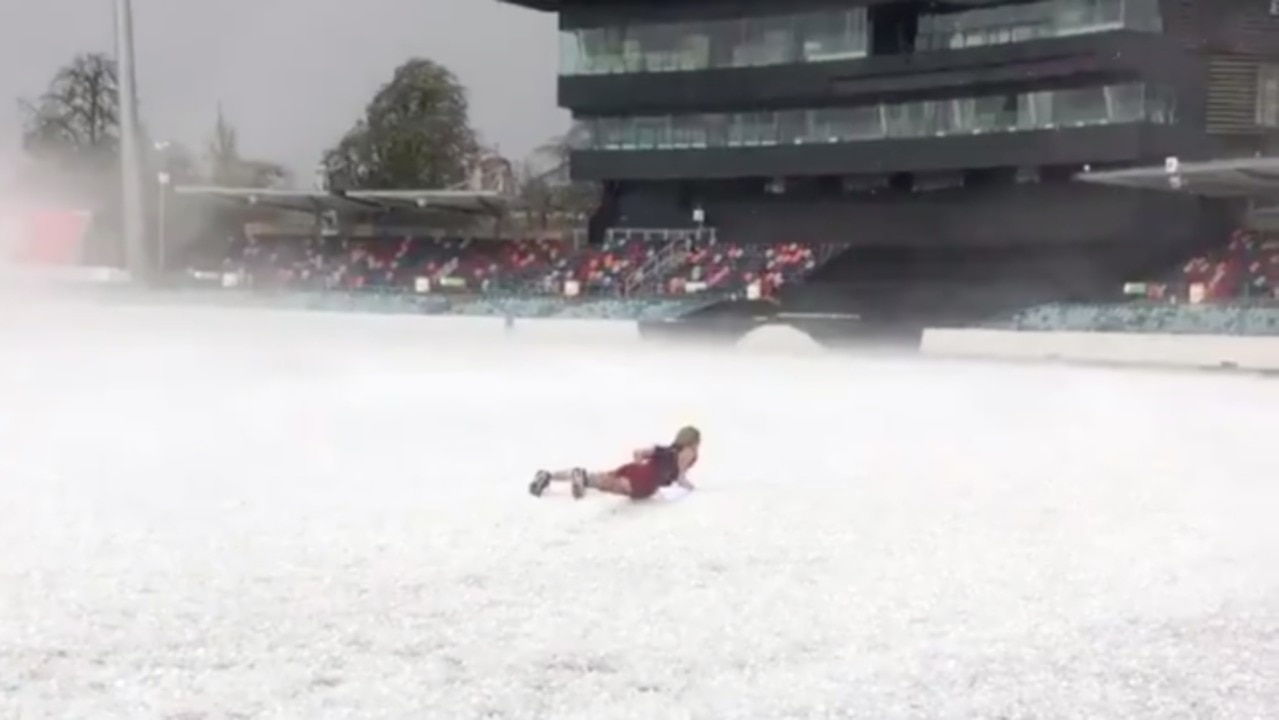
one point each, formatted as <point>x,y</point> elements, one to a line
<point>292,75</point>
<point>209,513</point>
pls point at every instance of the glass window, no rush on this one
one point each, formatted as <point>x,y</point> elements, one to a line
<point>792,127</point>
<point>1160,105</point>
<point>1125,103</point>
<point>723,37</point>
<point>986,114</point>
<point>653,132</point>
<point>924,35</point>
<point>1029,21</point>
<point>1038,107</point>
<point>1142,15</point>
<point>642,48</point>
<point>765,41</point>
<point>718,129</point>
<point>599,51</point>
<point>583,135</point>
<point>1026,116</point>
<point>1105,13</point>
<point>1082,106</point>
<point>736,132</point>
<point>908,120</point>
<point>614,133</point>
<point>832,35</point>
<point>681,132</point>
<point>754,129</point>
<point>1077,17</point>
<point>845,124</point>
<point>570,62</point>
<point>693,49</point>
<point>702,44</point>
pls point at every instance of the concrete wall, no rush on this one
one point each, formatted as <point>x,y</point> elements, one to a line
<point>1187,351</point>
<point>297,331</point>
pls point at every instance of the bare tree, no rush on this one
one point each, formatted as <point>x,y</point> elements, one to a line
<point>77,119</point>
<point>228,168</point>
<point>547,187</point>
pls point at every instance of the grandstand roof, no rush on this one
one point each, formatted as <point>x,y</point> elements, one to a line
<point>1239,177</point>
<point>553,5</point>
<point>466,201</point>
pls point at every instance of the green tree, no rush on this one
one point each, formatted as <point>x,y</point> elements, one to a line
<point>415,133</point>
<point>228,168</point>
<point>76,121</point>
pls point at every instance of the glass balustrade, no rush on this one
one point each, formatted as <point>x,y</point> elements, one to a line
<point>704,44</point>
<point>1107,105</point>
<point>1034,21</point>
<point>831,35</point>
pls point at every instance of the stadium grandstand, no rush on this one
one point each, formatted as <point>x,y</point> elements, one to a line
<point>457,251</point>
<point>1246,267</point>
<point>923,158</point>
<point>905,163</point>
<point>427,251</point>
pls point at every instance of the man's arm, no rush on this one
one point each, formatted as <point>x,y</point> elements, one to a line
<point>686,459</point>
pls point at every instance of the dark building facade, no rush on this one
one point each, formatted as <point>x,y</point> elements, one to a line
<point>938,139</point>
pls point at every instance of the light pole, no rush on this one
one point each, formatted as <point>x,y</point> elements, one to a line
<point>130,173</point>
<point>160,242</point>
<point>163,178</point>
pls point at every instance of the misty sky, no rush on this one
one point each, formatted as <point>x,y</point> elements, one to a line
<point>292,75</point>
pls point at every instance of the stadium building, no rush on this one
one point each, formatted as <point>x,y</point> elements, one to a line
<point>940,142</point>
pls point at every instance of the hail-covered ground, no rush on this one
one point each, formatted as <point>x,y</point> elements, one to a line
<point>213,514</point>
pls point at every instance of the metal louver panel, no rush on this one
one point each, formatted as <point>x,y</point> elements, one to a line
<point>1231,106</point>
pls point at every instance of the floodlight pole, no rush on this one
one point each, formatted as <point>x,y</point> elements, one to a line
<point>135,248</point>
<point>163,179</point>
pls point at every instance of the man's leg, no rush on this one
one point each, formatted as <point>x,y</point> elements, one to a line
<point>610,482</point>
<point>544,478</point>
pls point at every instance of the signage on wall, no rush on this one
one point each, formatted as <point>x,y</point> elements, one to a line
<point>45,237</point>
